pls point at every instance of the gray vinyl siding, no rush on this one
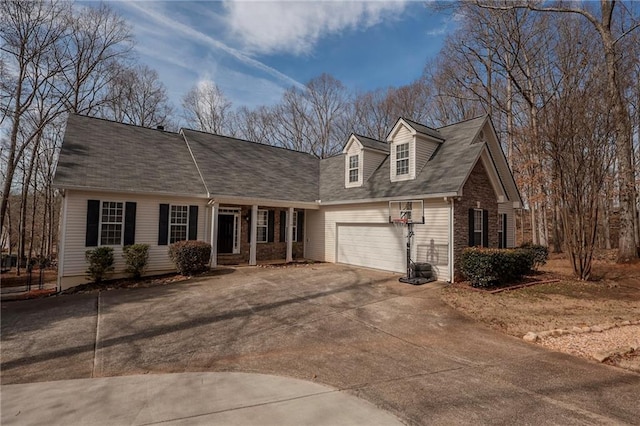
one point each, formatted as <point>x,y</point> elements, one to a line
<point>424,150</point>
<point>372,161</point>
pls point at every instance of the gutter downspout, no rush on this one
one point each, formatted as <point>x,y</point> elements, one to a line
<point>62,232</point>
<point>451,241</point>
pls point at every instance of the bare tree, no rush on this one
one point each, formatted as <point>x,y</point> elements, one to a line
<point>30,34</point>
<point>98,40</point>
<point>137,96</point>
<point>610,33</point>
<point>207,108</point>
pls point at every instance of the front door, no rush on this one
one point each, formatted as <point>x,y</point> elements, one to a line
<point>225,233</point>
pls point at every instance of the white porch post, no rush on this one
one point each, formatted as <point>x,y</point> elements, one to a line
<point>214,235</point>
<point>290,235</point>
<point>254,236</point>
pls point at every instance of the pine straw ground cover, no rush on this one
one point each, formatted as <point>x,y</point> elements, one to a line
<point>612,297</point>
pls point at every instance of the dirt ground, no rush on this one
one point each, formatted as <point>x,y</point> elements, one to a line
<point>613,296</point>
<point>10,279</point>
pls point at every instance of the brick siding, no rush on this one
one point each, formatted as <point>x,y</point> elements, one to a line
<point>476,190</point>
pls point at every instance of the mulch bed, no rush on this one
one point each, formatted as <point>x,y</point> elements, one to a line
<point>526,281</point>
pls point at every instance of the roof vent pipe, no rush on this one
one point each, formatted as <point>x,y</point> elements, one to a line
<point>160,127</point>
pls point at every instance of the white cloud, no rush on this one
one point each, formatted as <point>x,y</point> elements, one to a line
<point>294,27</point>
<point>166,25</point>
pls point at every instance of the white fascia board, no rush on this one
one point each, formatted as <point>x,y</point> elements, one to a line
<point>395,129</point>
<point>351,140</point>
<point>250,201</point>
<point>399,198</point>
<point>494,177</point>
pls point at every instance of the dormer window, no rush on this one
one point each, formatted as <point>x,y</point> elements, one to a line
<point>402,159</point>
<point>353,168</point>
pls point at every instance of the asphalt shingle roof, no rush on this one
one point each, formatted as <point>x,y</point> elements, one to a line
<point>241,168</point>
<point>102,154</point>
<point>444,173</point>
<point>425,130</point>
<point>372,143</point>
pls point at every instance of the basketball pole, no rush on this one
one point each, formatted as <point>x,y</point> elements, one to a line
<point>409,236</point>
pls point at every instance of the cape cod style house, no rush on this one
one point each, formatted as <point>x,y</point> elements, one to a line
<point>123,184</point>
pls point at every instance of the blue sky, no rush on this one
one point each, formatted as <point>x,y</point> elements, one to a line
<point>255,50</point>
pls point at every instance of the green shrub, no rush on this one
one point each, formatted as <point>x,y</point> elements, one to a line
<point>539,253</point>
<point>190,256</point>
<point>486,267</point>
<point>136,257</point>
<point>100,261</point>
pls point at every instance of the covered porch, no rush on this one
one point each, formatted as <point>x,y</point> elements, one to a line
<point>253,234</point>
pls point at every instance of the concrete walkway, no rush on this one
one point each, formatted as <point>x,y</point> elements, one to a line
<point>396,346</point>
<point>186,399</point>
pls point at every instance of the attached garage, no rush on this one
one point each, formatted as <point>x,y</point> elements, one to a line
<point>379,246</point>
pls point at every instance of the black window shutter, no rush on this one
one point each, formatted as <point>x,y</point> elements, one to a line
<point>485,228</point>
<point>283,225</point>
<point>93,222</point>
<point>270,226</point>
<point>163,225</point>
<point>300,227</point>
<point>471,228</point>
<point>193,222</point>
<point>129,223</point>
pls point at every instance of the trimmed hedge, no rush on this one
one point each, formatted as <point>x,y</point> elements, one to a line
<point>487,267</point>
<point>100,261</point>
<point>540,253</point>
<point>136,257</point>
<point>190,256</point>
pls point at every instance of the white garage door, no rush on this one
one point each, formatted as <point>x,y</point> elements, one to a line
<point>374,246</point>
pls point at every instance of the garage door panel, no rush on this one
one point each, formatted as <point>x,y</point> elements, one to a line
<point>373,246</point>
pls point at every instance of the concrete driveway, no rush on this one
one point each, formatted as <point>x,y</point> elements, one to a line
<point>360,331</point>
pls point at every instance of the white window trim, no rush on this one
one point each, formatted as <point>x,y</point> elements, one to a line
<point>235,212</point>
<point>186,225</point>
<point>111,223</point>
<point>355,169</point>
<point>407,159</point>
<point>347,167</point>
<point>475,227</point>
<point>265,226</point>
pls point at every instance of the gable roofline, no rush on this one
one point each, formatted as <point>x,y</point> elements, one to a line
<point>352,138</point>
<point>503,158</point>
<point>366,143</point>
<point>486,119</point>
<point>415,129</point>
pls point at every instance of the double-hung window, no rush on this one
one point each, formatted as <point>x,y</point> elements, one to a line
<point>477,227</point>
<point>402,159</point>
<point>111,220</point>
<point>263,226</point>
<point>353,168</point>
<point>178,223</point>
